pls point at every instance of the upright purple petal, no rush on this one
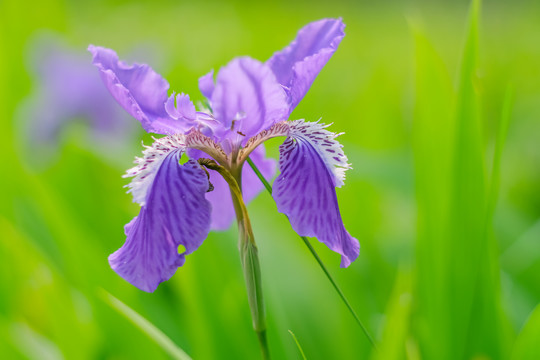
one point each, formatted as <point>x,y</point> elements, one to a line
<point>311,164</point>
<point>247,98</point>
<point>297,66</point>
<point>175,214</point>
<point>138,89</point>
<point>206,84</point>
<point>184,109</point>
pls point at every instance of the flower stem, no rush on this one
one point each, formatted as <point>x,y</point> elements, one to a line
<point>319,261</point>
<point>248,255</point>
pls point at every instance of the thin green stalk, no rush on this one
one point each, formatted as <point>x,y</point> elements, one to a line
<point>298,345</point>
<point>260,175</point>
<point>319,261</point>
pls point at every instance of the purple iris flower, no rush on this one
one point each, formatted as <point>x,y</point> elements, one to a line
<point>249,102</point>
<point>68,89</point>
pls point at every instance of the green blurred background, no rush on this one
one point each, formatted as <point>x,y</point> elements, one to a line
<point>448,218</point>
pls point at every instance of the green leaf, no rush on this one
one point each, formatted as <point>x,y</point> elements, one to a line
<point>396,343</point>
<point>526,346</point>
<point>459,312</point>
<point>146,326</point>
<point>298,345</point>
<point>433,134</point>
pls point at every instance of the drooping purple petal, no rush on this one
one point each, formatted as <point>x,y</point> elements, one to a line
<point>175,214</point>
<point>206,84</point>
<point>149,164</point>
<point>138,89</point>
<point>305,189</point>
<point>247,98</point>
<point>297,66</point>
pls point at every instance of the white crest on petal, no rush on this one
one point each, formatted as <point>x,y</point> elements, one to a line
<point>325,143</point>
<point>148,165</point>
<point>197,140</point>
<point>281,128</point>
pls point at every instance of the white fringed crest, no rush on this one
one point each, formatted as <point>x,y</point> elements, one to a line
<point>148,165</point>
<point>325,143</point>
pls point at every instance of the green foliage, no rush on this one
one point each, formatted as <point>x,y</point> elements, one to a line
<point>148,328</point>
<point>444,196</point>
<point>526,347</point>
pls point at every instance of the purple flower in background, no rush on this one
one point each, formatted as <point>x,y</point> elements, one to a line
<point>68,89</point>
<point>250,102</point>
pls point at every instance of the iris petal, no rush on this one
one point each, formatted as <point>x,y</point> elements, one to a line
<point>247,98</point>
<point>221,200</point>
<point>147,166</point>
<point>184,110</point>
<point>305,189</point>
<point>297,66</point>
<point>176,213</point>
<point>138,89</point>
<point>206,84</point>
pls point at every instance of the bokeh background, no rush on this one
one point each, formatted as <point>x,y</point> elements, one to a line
<point>444,196</point>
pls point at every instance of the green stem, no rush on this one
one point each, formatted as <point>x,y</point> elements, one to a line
<point>298,345</point>
<point>248,255</point>
<point>319,261</point>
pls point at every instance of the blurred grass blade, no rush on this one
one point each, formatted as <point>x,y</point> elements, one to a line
<point>467,217</point>
<point>526,346</point>
<point>499,146</point>
<point>319,261</point>
<point>433,132</point>
<point>524,251</point>
<point>34,345</point>
<point>473,279</point>
<point>298,345</point>
<point>395,335</point>
<point>148,328</point>
<point>458,288</point>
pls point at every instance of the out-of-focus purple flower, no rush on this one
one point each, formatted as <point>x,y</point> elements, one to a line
<point>67,89</point>
<point>250,102</point>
